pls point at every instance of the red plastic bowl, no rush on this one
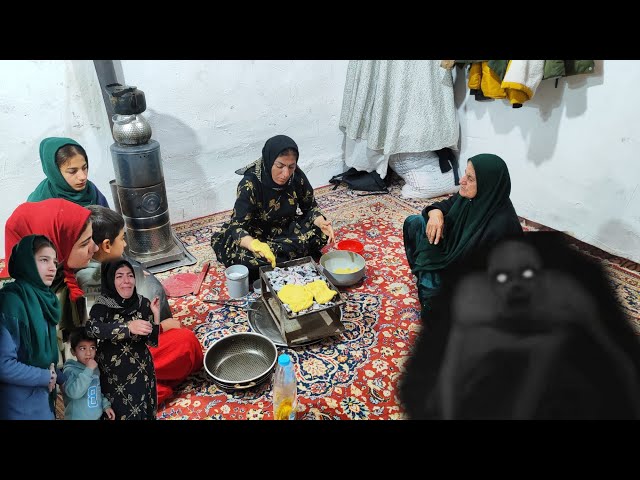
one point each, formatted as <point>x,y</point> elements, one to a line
<point>351,246</point>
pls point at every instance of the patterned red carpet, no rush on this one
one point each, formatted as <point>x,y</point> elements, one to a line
<point>354,375</point>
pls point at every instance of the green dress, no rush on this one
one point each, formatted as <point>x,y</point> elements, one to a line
<point>470,224</point>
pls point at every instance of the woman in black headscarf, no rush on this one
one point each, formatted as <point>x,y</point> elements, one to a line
<point>125,323</point>
<point>264,227</point>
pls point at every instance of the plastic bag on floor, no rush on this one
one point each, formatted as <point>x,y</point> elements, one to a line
<point>422,175</point>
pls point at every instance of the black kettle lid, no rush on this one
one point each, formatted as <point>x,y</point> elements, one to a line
<point>126,99</point>
<point>117,89</point>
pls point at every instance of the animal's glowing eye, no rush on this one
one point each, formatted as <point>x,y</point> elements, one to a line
<point>502,277</point>
<point>528,273</point>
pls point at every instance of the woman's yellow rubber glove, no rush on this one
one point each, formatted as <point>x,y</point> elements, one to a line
<point>261,247</point>
<point>296,296</point>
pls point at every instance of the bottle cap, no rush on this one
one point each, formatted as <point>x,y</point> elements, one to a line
<point>284,360</point>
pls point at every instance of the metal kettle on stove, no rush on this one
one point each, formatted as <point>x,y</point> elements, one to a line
<point>129,126</point>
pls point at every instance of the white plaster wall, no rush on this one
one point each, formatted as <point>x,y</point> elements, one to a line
<point>210,117</point>
<point>573,153</point>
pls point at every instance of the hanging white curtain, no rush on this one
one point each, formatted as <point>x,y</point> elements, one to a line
<point>396,106</point>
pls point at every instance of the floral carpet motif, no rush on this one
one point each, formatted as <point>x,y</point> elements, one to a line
<point>353,375</point>
<point>333,364</point>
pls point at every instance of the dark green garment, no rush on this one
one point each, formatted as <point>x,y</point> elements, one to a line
<point>29,310</point>
<point>565,68</point>
<point>55,186</point>
<point>414,233</point>
<point>467,219</point>
<point>499,67</point>
<point>464,231</point>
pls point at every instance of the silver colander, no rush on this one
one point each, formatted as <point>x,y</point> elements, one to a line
<point>240,360</point>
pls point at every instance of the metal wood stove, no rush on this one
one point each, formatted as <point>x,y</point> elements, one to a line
<point>139,190</point>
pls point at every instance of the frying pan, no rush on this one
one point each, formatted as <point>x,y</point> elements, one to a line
<point>240,360</point>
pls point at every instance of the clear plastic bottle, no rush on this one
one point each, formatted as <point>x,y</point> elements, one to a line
<point>285,392</point>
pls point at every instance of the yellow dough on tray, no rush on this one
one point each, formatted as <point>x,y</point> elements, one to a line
<point>300,297</point>
<point>296,296</point>
<point>320,291</point>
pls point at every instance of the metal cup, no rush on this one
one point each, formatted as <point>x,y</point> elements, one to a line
<point>237,281</point>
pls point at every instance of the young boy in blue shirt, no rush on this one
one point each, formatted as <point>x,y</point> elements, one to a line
<point>83,399</point>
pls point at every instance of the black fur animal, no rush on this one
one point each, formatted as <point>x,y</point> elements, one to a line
<point>530,329</point>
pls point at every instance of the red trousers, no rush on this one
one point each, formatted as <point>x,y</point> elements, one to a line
<point>177,356</point>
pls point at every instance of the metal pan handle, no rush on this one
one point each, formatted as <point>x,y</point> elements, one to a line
<point>238,385</point>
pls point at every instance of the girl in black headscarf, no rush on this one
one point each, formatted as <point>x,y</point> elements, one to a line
<point>264,227</point>
<point>125,323</point>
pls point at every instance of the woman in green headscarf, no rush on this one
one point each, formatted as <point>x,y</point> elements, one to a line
<point>448,231</point>
<point>66,166</point>
<point>29,313</point>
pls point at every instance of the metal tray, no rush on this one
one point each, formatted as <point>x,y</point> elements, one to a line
<point>262,323</point>
<point>274,303</point>
<point>310,326</point>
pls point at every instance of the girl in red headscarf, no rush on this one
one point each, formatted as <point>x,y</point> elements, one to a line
<point>68,226</point>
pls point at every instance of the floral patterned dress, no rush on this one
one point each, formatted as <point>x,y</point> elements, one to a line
<point>127,375</point>
<point>281,218</point>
